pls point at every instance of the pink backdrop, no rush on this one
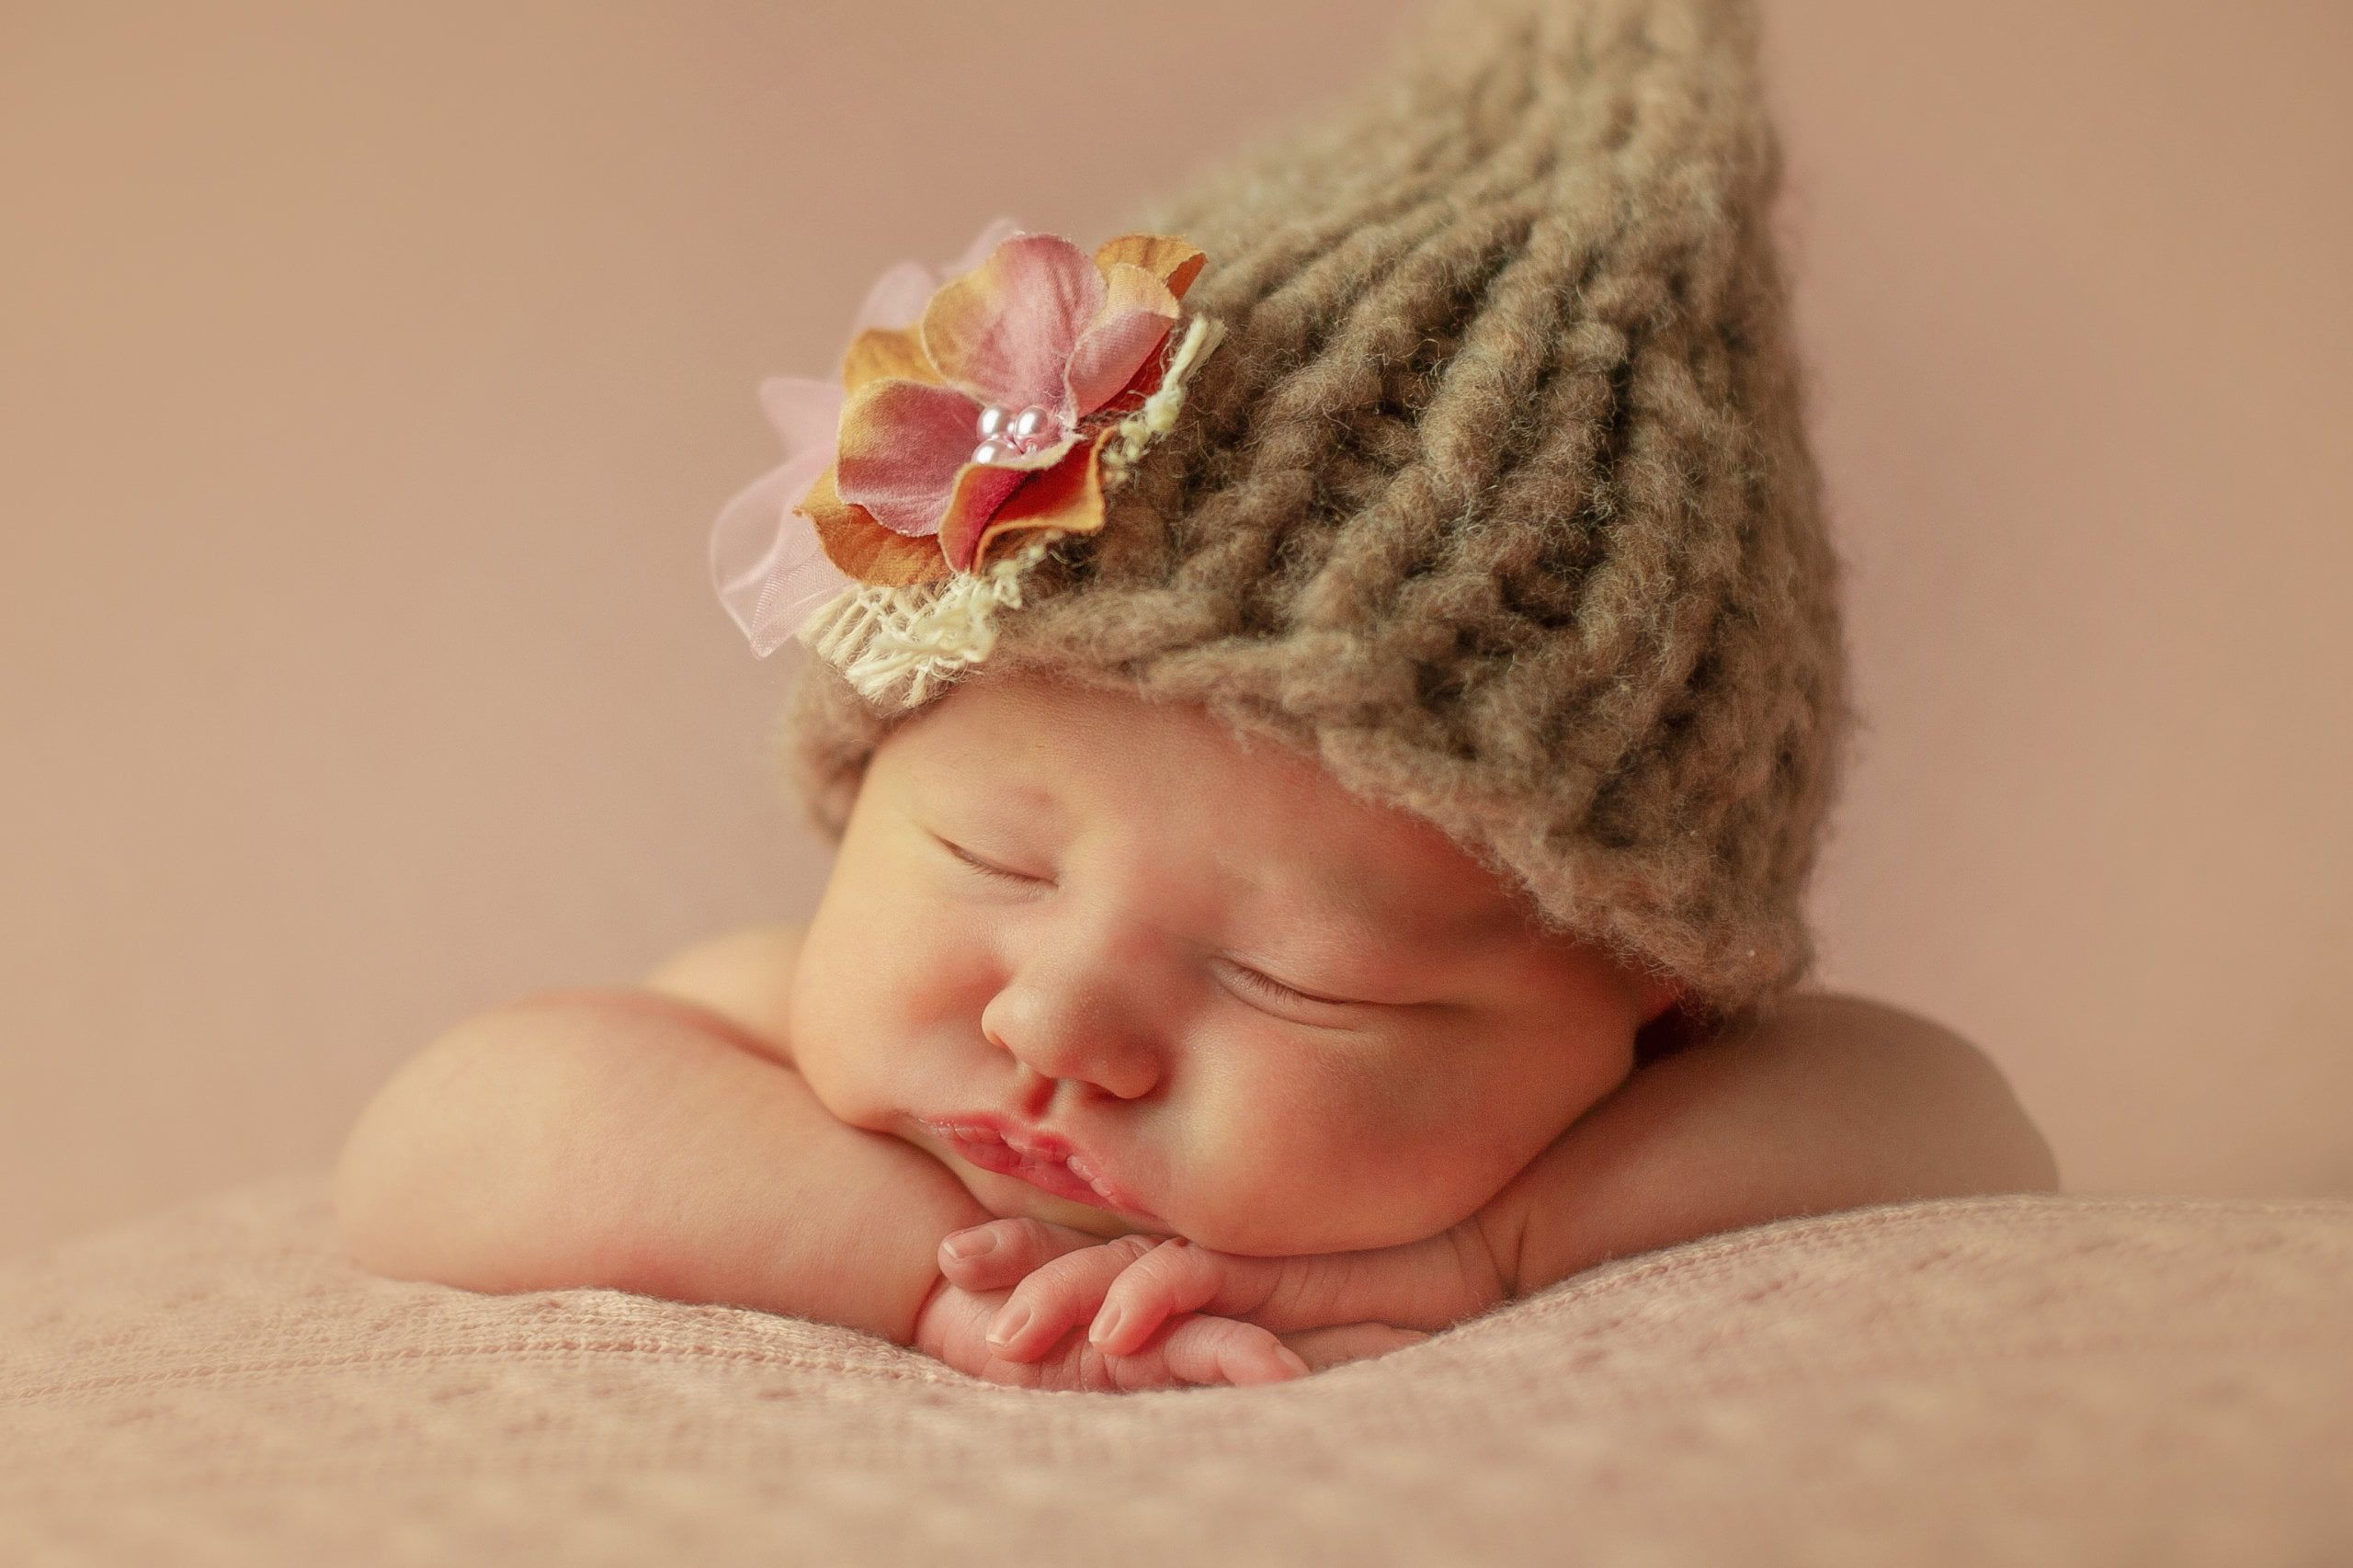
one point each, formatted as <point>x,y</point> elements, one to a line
<point>369,376</point>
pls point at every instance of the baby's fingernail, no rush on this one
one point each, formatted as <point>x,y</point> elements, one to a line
<point>971,1245</point>
<point>1106,1325</point>
<point>1288,1360</point>
<point>1009,1323</point>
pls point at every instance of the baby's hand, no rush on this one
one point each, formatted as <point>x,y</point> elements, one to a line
<point>1149,1290</point>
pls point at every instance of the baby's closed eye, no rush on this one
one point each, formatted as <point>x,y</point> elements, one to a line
<point>1266,986</point>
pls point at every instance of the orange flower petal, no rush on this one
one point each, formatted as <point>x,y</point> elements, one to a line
<point>864,548</point>
<point>1068,495</point>
<point>1170,259</point>
<point>886,351</point>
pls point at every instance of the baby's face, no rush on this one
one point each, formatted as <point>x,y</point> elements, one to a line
<point>1268,1016</point>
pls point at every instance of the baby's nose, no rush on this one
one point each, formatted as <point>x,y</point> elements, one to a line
<point>1064,1033</point>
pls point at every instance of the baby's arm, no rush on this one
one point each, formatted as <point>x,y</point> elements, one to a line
<point>637,1141</point>
<point>1832,1103</point>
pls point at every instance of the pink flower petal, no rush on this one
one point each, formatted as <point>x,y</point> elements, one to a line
<point>900,447</point>
<point>1003,333</point>
<point>1110,356</point>
<point>1137,312</point>
<point>1116,346</point>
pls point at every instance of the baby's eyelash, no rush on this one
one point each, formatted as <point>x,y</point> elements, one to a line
<point>1253,980</point>
<point>983,867</point>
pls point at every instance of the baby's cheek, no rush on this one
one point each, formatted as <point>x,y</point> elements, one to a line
<point>1290,1164</point>
<point>1374,1159</point>
<point>836,1042</point>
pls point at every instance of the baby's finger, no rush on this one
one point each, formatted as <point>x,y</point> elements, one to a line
<point>1227,1351</point>
<point>1175,1276</point>
<point>1003,1251</point>
<point>1060,1292</point>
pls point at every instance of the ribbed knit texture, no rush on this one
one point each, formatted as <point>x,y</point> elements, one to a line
<point>1496,498</point>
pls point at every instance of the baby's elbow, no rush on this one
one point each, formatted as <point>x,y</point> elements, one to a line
<point>440,1177</point>
<point>373,1193</point>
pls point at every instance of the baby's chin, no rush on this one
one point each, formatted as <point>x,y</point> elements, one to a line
<point>1009,1197</point>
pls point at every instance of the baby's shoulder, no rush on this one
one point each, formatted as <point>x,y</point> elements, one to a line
<point>744,976</point>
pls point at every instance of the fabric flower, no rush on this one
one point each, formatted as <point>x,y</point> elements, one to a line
<point>974,402</point>
<point>765,561</point>
<point>988,416</point>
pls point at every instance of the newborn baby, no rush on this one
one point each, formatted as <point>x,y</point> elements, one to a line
<point>1328,702</point>
<point>1199,1040</point>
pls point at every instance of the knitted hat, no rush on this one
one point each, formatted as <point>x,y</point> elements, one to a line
<point>1482,481</point>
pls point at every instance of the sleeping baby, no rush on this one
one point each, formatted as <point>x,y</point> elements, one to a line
<point>1327,722</point>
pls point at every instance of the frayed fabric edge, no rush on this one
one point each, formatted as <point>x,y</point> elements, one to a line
<point>919,638</point>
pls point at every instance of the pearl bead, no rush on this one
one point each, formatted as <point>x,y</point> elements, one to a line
<point>992,421</point>
<point>1026,424</point>
<point>987,452</point>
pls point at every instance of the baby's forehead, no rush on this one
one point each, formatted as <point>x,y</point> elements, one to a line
<point>1067,745</point>
<point>1206,799</point>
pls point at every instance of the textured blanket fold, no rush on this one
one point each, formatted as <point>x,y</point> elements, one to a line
<point>2140,1381</point>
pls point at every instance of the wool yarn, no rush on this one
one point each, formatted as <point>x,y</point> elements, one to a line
<point>1496,498</point>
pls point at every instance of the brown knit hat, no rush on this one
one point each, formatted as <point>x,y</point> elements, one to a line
<point>1494,497</point>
